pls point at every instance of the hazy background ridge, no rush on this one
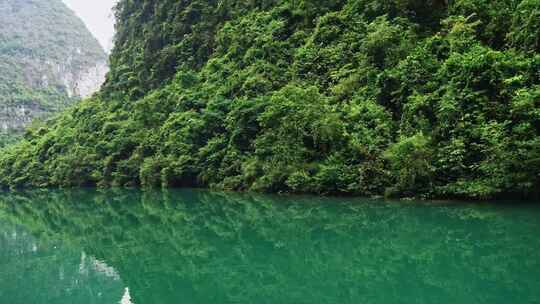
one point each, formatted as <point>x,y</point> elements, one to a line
<point>98,17</point>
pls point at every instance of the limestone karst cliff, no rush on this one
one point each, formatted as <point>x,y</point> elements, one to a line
<point>351,97</point>
<point>48,60</point>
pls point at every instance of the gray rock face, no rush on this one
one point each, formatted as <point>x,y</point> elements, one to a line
<point>16,117</point>
<point>90,80</point>
<point>48,60</point>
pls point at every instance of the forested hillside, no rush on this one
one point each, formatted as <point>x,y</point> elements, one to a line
<point>48,60</point>
<point>363,97</point>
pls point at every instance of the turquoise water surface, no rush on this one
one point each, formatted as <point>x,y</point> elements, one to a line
<point>194,246</point>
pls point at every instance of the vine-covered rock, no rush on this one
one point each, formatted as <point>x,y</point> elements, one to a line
<point>48,60</point>
<point>359,97</point>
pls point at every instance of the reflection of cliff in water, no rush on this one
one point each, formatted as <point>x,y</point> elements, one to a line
<point>32,271</point>
<point>204,247</point>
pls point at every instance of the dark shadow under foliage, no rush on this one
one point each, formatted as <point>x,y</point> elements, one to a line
<point>360,97</point>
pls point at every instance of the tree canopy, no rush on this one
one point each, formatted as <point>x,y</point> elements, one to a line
<point>361,97</point>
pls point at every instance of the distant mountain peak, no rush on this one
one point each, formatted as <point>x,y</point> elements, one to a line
<point>48,59</point>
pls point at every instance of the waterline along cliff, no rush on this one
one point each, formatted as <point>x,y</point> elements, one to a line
<point>48,60</point>
<point>358,97</point>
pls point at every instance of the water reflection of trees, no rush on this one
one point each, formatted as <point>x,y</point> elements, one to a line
<point>220,248</point>
<point>36,271</point>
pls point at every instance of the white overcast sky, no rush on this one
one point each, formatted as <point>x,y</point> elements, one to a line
<point>98,16</point>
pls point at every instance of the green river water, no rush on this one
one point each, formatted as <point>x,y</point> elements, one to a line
<point>195,246</point>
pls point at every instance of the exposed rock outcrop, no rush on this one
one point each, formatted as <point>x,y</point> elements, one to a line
<point>48,60</point>
<point>16,117</point>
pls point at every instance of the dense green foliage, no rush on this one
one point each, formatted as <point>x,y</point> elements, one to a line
<point>7,139</point>
<point>42,43</point>
<point>363,97</point>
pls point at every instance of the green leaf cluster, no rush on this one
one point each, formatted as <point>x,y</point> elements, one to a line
<point>360,97</point>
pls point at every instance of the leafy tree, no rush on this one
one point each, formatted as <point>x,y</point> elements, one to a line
<point>358,97</point>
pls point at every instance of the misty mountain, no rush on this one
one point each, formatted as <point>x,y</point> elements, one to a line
<point>48,60</point>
